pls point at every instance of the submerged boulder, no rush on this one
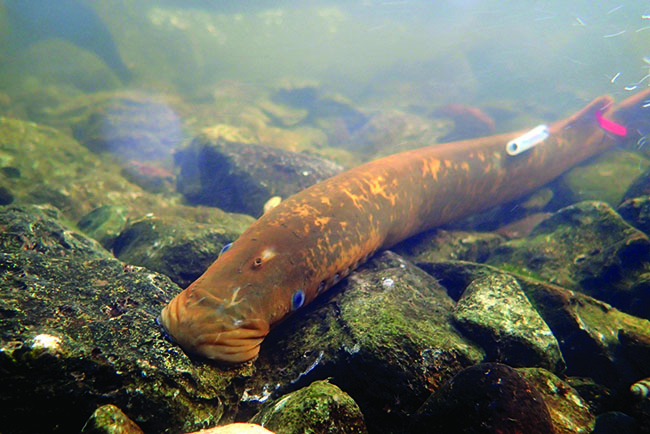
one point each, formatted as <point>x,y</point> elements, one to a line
<point>320,408</point>
<point>79,330</point>
<point>486,398</point>
<point>385,336</point>
<point>590,332</point>
<point>586,247</point>
<point>181,249</point>
<point>495,312</point>
<point>239,177</point>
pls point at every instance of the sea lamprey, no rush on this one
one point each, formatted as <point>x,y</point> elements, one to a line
<point>312,240</point>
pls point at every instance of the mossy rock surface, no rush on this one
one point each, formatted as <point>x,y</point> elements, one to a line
<point>79,330</point>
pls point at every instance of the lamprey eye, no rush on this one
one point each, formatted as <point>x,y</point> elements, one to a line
<point>225,249</point>
<point>297,300</point>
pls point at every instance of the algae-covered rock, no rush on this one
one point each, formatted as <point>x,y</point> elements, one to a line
<point>586,247</point>
<point>636,211</point>
<point>495,312</point>
<point>570,414</point>
<point>50,167</point>
<point>109,419</point>
<point>43,166</point>
<point>78,331</point>
<point>58,62</point>
<point>104,223</point>
<point>319,408</point>
<point>586,329</point>
<point>606,179</point>
<point>385,336</point>
<point>489,397</point>
<point>177,247</point>
<point>241,178</point>
<point>640,187</point>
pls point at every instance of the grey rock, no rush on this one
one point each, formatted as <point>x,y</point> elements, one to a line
<point>240,177</point>
<point>495,312</point>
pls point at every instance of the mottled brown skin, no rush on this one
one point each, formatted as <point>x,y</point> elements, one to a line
<point>316,237</point>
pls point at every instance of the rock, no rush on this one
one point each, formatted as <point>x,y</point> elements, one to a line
<point>523,227</point>
<point>42,165</point>
<point>486,398</point>
<point>385,336</point>
<point>598,397</point>
<point>586,329</point>
<point>78,329</point>
<point>283,115</point>
<point>131,126</point>
<point>641,414</point>
<point>636,347</point>
<point>104,223</point>
<point>318,408</point>
<point>109,419</point>
<point>440,245</point>
<point>241,178</point>
<point>469,122</point>
<point>585,247</point>
<point>179,248</point>
<point>393,131</point>
<point>606,179</point>
<point>636,211</point>
<point>297,93</point>
<point>334,114</point>
<point>640,187</point>
<point>149,176</point>
<point>49,167</point>
<point>616,422</point>
<point>236,428</point>
<point>570,414</point>
<point>495,312</point>
<point>6,196</point>
<point>55,62</point>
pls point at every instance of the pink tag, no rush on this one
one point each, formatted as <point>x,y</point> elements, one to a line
<point>610,126</point>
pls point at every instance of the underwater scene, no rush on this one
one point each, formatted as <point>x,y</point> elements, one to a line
<point>340,217</point>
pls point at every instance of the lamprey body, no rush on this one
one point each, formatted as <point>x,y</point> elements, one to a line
<point>315,238</point>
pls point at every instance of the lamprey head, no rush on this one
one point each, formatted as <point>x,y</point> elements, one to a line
<point>226,313</point>
<point>213,328</point>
